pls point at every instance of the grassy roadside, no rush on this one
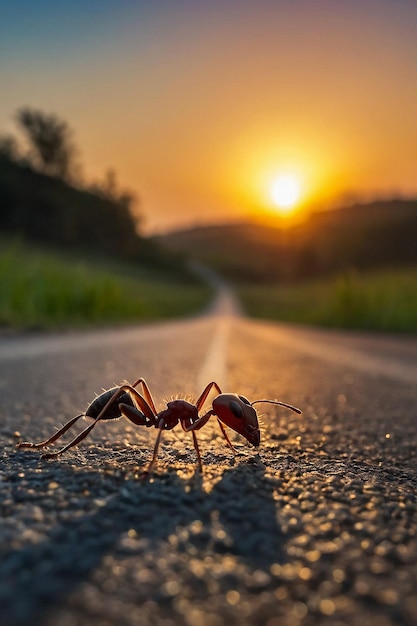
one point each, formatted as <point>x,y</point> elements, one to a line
<point>43,290</point>
<point>379,300</point>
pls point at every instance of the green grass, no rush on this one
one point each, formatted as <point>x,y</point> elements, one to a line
<point>379,300</point>
<point>45,290</point>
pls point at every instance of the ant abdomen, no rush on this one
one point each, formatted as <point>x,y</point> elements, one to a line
<point>112,412</point>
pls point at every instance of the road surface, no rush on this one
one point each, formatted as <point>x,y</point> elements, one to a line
<point>316,527</point>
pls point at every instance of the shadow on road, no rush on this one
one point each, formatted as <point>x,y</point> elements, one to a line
<point>237,517</point>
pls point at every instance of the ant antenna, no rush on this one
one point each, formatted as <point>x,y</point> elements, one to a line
<point>288,406</point>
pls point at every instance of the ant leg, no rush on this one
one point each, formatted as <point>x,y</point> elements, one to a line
<point>155,452</point>
<point>134,415</point>
<point>74,442</point>
<point>197,449</point>
<point>226,436</point>
<point>199,423</point>
<point>142,404</point>
<point>57,435</point>
<point>205,393</point>
<point>146,393</point>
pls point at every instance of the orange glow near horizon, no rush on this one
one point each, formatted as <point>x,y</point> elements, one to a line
<point>203,105</point>
<point>281,183</point>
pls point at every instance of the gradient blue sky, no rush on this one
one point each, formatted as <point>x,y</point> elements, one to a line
<point>198,105</point>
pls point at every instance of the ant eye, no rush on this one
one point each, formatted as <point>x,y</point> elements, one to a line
<point>236,409</point>
<point>245,400</point>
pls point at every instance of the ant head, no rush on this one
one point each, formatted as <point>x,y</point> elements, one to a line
<point>238,413</point>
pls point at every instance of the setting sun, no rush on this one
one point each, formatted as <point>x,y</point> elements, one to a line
<point>285,192</point>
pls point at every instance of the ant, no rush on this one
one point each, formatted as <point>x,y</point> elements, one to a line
<point>139,408</point>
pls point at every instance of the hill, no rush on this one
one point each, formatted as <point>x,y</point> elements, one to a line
<point>362,236</point>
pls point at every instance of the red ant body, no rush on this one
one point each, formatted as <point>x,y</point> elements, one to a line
<point>233,410</point>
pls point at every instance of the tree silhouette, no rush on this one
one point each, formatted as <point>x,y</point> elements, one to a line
<point>8,148</point>
<point>110,190</point>
<point>50,140</point>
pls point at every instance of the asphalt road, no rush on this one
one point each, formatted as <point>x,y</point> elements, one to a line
<point>316,527</point>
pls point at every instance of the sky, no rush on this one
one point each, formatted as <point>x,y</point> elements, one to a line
<point>200,105</point>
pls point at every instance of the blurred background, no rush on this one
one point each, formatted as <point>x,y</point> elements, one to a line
<point>274,141</point>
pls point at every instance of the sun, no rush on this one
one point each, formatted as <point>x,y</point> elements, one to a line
<point>285,192</point>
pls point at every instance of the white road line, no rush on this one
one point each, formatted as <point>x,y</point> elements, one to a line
<point>215,365</point>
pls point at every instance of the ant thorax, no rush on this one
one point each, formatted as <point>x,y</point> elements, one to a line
<point>178,411</point>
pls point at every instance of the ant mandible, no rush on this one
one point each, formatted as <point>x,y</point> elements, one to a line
<point>233,410</point>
